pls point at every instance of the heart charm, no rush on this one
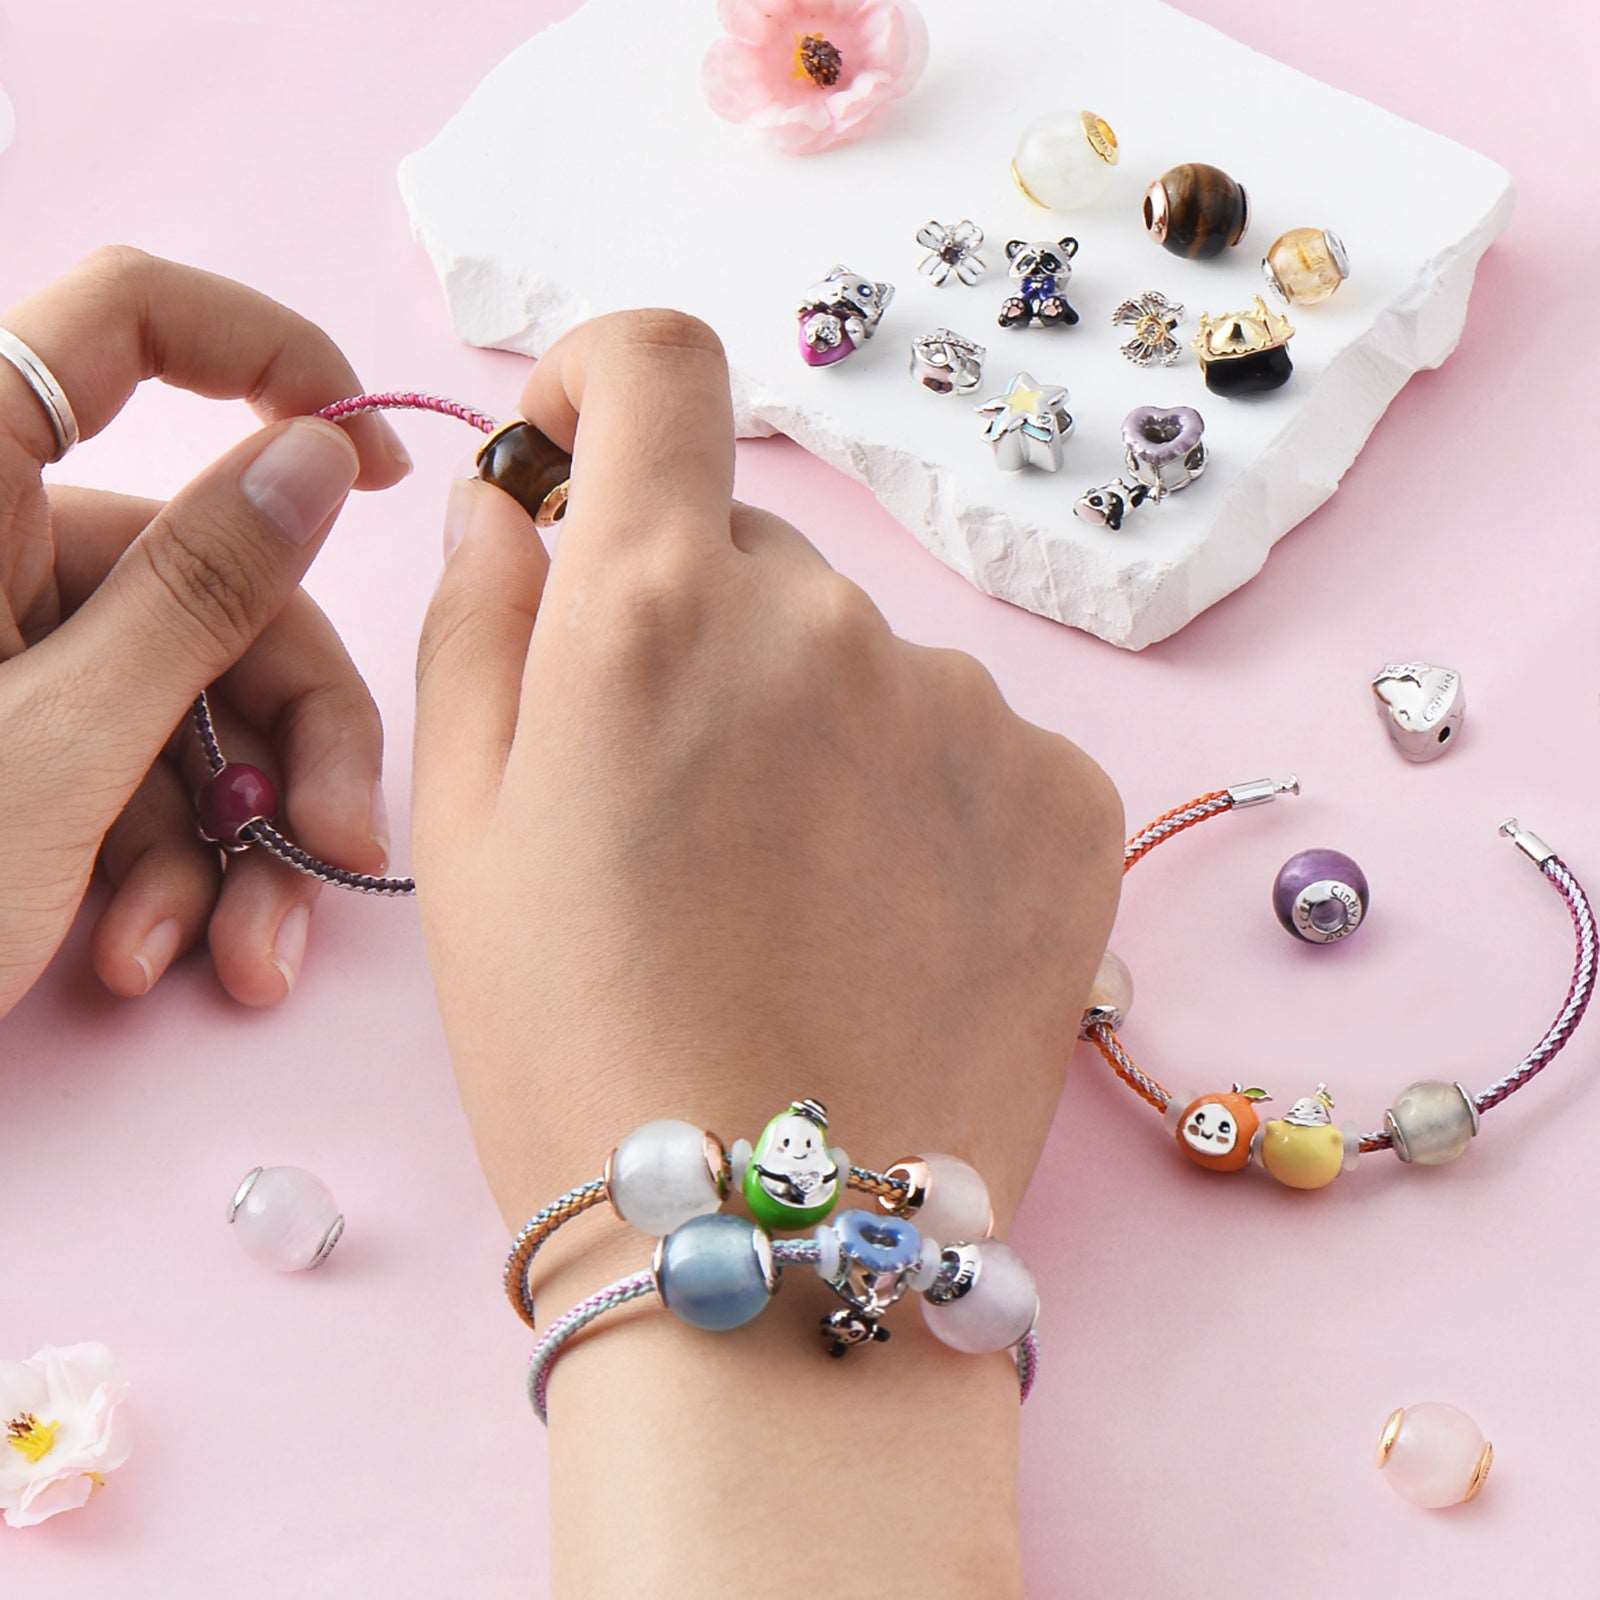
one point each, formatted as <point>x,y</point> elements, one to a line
<point>1422,707</point>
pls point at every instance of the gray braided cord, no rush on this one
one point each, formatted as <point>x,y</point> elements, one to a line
<point>785,1253</point>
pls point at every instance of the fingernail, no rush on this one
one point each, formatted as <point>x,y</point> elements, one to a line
<point>155,951</point>
<point>397,450</point>
<point>379,824</point>
<point>289,948</point>
<point>458,513</point>
<point>297,482</point>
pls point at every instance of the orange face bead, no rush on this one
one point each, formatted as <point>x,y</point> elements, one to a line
<point>1215,1131</point>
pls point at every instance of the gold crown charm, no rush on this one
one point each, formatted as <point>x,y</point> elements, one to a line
<point>1242,333</point>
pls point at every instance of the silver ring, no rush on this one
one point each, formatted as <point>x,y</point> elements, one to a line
<point>39,378</point>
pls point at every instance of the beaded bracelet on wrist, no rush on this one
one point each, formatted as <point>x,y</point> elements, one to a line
<point>717,1271</point>
<point>668,1171</point>
<point>236,805</point>
<point>1430,1123</point>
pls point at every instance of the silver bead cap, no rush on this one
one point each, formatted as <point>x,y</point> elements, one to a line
<point>246,1184</point>
<point>329,1240</point>
<point>958,1274</point>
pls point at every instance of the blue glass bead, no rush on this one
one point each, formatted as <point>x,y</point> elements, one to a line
<point>715,1272</point>
<point>880,1243</point>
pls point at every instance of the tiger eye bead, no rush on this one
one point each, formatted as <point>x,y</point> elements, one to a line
<point>1305,265</point>
<point>1196,211</point>
<point>529,467</point>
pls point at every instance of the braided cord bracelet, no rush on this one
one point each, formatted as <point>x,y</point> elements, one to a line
<point>236,804</point>
<point>1430,1123</point>
<point>639,1285</point>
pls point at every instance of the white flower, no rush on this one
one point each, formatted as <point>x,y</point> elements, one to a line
<point>62,1429</point>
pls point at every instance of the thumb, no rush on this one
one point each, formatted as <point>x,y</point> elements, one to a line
<point>190,595</point>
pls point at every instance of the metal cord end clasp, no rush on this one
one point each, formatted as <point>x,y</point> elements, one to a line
<point>1530,844</point>
<point>1258,791</point>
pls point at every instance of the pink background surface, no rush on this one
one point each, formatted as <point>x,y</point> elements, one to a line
<point>1221,1354</point>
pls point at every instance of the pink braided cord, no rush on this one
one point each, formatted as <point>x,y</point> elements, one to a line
<point>406,400</point>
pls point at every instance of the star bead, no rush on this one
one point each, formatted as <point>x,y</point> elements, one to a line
<point>1027,424</point>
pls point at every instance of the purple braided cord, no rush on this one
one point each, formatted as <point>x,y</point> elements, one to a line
<point>263,834</point>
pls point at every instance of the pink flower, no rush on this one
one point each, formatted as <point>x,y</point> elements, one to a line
<point>813,73</point>
<point>60,1430</point>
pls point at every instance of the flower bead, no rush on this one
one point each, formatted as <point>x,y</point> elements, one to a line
<point>810,76</point>
<point>62,1430</point>
<point>953,249</point>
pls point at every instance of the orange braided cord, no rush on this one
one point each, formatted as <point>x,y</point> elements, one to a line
<point>1169,823</point>
<point>572,1204</point>
<point>1105,1040</point>
<point>870,1182</point>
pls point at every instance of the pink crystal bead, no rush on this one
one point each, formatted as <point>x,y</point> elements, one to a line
<point>229,800</point>
<point>1434,1455</point>
<point>286,1218</point>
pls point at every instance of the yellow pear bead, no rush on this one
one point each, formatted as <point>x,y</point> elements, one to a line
<point>1305,265</point>
<point>1302,1158</point>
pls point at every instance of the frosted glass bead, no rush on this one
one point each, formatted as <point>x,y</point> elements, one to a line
<point>738,1161</point>
<point>286,1218</point>
<point>995,1312</point>
<point>1065,160</point>
<point>929,1259</point>
<point>659,1177</point>
<point>957,1206</point>
<point>1431,1123</point>
<point>827,1252</point>
<point>715,1272</point>
<point>1434,1455</point>
<point>1111,995</point>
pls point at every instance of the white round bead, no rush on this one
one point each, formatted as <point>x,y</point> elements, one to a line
<point>1057,165</point>
<point>738,1161</point>
<point>996,1312</point>
<point>929,1259</point>
<point>660,1179</point>
<point>827,1253</point>
<point>1437,1457</point>
<point>286,1218</point>
<point>1111,995</point>
<point>1431,1123</point>
<point>957,1207</point>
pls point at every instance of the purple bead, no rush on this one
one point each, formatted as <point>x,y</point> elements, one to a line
<point>1159,434</point>
<point>823,354</point>
<point>231,799</point>
<point>1320,896</point>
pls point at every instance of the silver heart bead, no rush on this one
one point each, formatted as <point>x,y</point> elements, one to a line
<point>1422,707</point>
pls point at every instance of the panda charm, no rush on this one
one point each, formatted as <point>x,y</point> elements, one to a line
<point>1040,271</point>
<point>794,1179</point>
<point>839,314</point>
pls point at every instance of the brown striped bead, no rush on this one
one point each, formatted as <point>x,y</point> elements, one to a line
<point>1196,211</point>
<point>528,466</point>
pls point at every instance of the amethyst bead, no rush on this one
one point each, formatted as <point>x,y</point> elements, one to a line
<point>230,800</point>
<point>1320,896</point>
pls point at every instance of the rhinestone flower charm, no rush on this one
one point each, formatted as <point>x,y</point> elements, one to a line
<point>1153,319</point>
<point>952,249</point>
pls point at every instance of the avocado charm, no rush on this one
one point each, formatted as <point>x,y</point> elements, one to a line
<point>1303,1149</point>
<point>794,1179</point>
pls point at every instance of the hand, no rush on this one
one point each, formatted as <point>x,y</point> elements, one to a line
<point>696,834</point>
<point>116,612</point>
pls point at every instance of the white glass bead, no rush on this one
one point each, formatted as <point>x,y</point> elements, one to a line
<point>840,1157</point>
<point>1351,1132</point>
<point>1436,1456</point>
<point>929,1259</point>
<point>1111,995</point>
<point>660,1179</point>
<point>998,1309</point>
<point>286,1218</point>
<point>738,1161</point>
<point>1065,160</point>
<point>1431,1123</point>
<point>957,1207</point>
<point>827,1253</point>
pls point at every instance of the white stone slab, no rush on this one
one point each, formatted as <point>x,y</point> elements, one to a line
<point>585,173</point>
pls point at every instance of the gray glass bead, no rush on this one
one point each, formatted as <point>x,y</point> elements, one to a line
<point>1431,1123</point>
<point>715,1272</point>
